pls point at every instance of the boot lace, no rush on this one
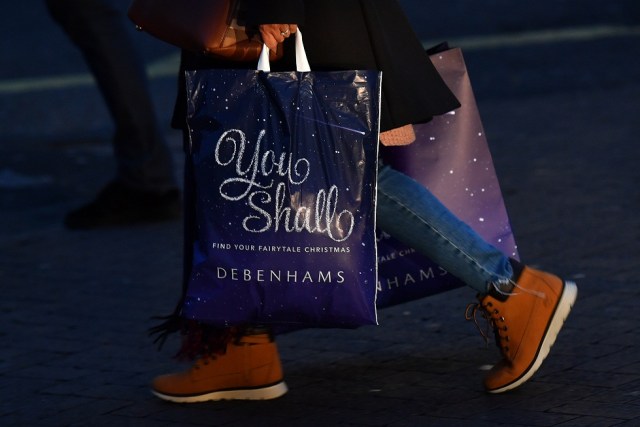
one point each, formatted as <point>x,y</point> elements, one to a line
<point>202,362</point>
<point>493,320</point>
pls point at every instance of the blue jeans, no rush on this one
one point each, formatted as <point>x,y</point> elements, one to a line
<point>410,213</point>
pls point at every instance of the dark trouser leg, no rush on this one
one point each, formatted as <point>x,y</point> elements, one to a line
<point>99,29</point>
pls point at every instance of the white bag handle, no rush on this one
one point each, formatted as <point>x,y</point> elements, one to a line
<point>302,64</point>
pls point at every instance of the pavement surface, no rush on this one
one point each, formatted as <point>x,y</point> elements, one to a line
<point>558,85</point>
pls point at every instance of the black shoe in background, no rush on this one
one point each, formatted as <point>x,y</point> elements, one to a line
<point>118,205</point>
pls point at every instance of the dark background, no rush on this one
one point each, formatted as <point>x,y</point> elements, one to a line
<point>557,82</point>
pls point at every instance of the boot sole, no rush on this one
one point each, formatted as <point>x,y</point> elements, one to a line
<point>567,299</point>
<point>262,393</point>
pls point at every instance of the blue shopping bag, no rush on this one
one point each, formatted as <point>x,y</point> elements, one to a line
<point>285,168</point>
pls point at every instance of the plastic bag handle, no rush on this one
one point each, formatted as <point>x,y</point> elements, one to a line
<point>302,63</point>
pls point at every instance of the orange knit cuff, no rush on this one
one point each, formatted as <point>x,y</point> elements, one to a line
<point>404,135</point>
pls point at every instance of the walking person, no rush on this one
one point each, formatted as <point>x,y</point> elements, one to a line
<point>144,188</point>
<point>526,307</point>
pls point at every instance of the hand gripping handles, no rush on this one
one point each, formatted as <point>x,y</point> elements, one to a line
<point>302,64</point>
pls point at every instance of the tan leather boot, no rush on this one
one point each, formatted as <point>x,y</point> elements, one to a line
<point>526,322</point>
<point>249,370</point>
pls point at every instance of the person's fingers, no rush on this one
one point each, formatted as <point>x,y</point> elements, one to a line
<point>270,41</point>
<point>284,30</point>
<point>268,32</point>
<point>272,34</point>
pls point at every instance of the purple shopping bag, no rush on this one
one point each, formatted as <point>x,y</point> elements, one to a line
<point>451,158</point>
<point>285,168</point>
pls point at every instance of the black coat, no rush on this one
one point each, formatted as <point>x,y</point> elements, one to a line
<point>352,34</point>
